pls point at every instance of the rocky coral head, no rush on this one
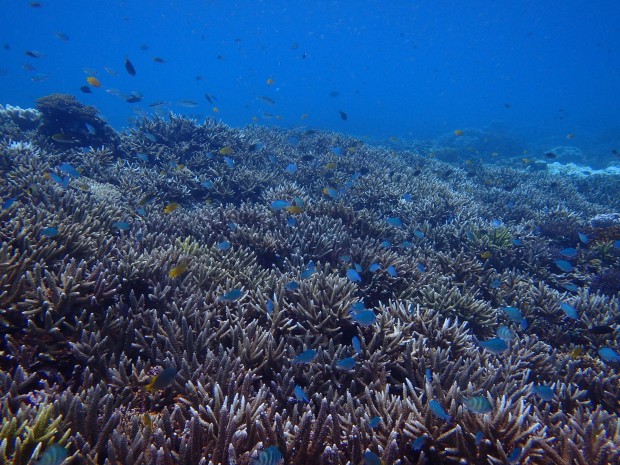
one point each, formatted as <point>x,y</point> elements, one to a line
<point>68,121</point>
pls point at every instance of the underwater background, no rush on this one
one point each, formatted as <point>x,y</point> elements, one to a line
<point>310,233</point>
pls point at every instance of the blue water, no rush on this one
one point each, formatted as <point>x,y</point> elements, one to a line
<point>411,69</point>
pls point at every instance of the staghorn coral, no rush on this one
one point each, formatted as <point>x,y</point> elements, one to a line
<point>91,315</point>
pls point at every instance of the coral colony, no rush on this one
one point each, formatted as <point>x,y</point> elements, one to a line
<point>184,293</point>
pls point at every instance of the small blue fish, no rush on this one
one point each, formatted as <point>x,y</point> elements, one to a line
<point>564,266</point>
<point>438,410</point>
<point>407,197</point>
<point>292,140</point>
<point>140,211</point>
<point>365,318</point>
<point>270,456</point>
<point>429,375</point>
<point>370,458</point>
<point>307,356</point>
<point>354,276</point>
<point>479,438</point>
<point>495,345</point>
<point>347,363</point>
<point>505,333</point>
<point>517,242</point>
<point>524,324</point>
<point>583,238</point>
<point>55,454</point>
<point>291,221</point>
<point>291,168</point>
<point>142,156</point>
<point>358,307</point>
<point>569,252</point>
<point>609,355</point>
<point>405,245</point>
<point>229,162</point>
<point>224,245</point>
<point>374,267</point>
<point>514,456</point>
<point>357,345</point>
<point>121,225</point>
<point>495,284</point>
<point>569,310</point>
<point>90,129</point>
<point>394,221</point>
<point>496,223</point>
<point>357,267</point>
<point>64,182</point>
<point>269,306</point>
<point>308,272</point>
<point>345,258</point>
<point>208,184</point>
<point>70,170</point>
<point>478,404</point>
<point>570,287</point>
<point>544,392</point>
<point>386,244</point>
<point>280,204</point>
<point>513,313</point>
<point>8,203</point>
<point>232,295</point>
<point>418,444</point>
<point>421,268</point>
<point>50,231</point>
<point>330,192</point>
<point>391,270</point>
<point>292,286</point>
<point>419,234</point>
<point>374,422</point>
<point>617,244</point>
<point>336,151</point>
<point>300,395</point>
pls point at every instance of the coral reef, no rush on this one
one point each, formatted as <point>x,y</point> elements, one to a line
<point>197,252</point>
<point>68,122</point>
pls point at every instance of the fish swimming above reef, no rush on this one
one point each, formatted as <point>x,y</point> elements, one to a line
<point>178,270</point>
<point>300,395</point>
<point>162,380</point>
<point>478,404</point>
<point>232,295</point>
<point>495,345</point>
<point>270,456</point>
<point>343,115</point>
<point>129,67</point>
<point>307,356</point>
<point>172,206</point>
<point>438,410</point>
<point>55,454</point>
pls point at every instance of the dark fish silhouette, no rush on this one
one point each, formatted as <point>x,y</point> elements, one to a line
<point>343,115</point>
<point>129,67</point>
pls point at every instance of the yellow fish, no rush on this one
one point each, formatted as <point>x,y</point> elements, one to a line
<point>178,270</point>
<point>486,255</point>
<point>270,82</point>
<point>304,116</point>
<point>331,166</point>
<point>162,380</point>
<point>93,81</point>
<point>226,150</point>
<point>172,206</point>
<point>458,132</point>
<point>576,352</point>
<point>295,209</point>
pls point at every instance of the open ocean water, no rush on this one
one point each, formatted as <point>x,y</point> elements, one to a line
<point>312,232</point>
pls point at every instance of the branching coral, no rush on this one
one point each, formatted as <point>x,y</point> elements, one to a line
<point>253,310</point>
